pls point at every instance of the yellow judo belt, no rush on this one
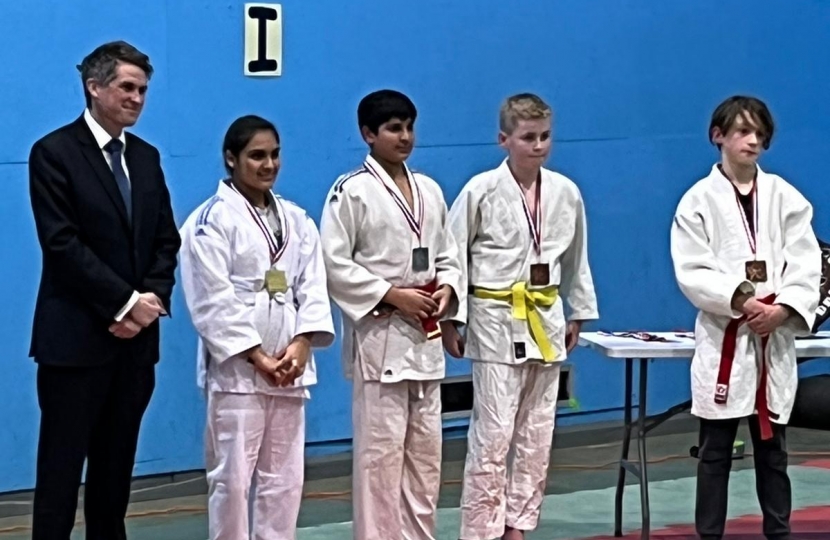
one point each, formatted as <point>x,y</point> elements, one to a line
<point>524,303</point>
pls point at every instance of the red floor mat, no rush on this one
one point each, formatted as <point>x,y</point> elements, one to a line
<point>807,524</point>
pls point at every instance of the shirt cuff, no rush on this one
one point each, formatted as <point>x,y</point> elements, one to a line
<point>127,307</point>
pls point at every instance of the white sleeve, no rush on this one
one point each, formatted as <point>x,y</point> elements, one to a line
<point>802,274</point>
<point>464,219</point>
<point>577,284</point>
<point>311,293</point>
<point>448,266</point>
<point>695,265</point>
<point>352,287</point>
<point>224,322</point>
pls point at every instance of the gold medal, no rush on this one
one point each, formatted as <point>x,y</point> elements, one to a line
<point>275,281</point>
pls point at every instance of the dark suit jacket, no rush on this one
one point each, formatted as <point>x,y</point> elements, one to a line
<point>93,258</point>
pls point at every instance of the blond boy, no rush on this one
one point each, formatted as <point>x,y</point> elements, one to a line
<point>523,249</point>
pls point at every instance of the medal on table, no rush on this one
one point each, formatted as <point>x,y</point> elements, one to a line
<point>539,271</point>
<point>756,271</point>
<point>420,254</point>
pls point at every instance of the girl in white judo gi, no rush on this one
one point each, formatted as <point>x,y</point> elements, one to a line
<point>393,271</point>
<point>745,255</point>
<point>521,234</point>
<point>254,281</point>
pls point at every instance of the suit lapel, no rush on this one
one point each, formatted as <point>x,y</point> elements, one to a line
<point>92,153</point>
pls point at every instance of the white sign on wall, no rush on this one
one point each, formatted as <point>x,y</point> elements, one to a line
<point>263,40</point>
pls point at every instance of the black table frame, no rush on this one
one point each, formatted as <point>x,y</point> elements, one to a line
<point>644,424</point>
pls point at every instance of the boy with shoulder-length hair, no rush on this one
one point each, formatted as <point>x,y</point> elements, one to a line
<point>745,255</point>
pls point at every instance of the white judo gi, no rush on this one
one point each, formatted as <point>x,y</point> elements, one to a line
<point>255,430</point>
<point>710,247</point>
<point>511,326</point>
<point>396,408</point>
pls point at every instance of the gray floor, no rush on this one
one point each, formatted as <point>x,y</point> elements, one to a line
<point>584,458</point>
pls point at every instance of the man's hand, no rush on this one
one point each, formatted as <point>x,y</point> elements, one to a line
<point>443,296</point>
<point>146,310</point>
<point>572,335</point>
<point>125,329</point>
<point>452,339</point>
<point>412,303</point>
<point>767,319</point>
<point>292,361</point>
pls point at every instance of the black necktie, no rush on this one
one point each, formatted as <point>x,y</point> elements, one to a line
<point>114,147</point>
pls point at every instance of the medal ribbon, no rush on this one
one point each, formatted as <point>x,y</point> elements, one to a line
<point>534,225</point>
<point>750,233</point>
<point>414,224</point>
<point>274,250</point>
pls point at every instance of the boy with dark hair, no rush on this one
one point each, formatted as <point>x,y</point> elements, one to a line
<point>393,271</point>
<point>745,255</point>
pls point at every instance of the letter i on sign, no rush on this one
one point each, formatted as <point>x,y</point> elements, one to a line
<point>263,40</point>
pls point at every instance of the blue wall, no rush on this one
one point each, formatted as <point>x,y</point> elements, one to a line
<point>632,83</point>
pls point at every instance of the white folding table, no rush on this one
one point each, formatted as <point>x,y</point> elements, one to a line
<point>679,346</point>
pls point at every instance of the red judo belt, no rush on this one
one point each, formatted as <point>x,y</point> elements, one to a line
<point>430,324</point>
<point>727,358</point>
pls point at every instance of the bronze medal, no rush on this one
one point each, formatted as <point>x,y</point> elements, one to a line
<point>756,271</point>
<point>540,274</point>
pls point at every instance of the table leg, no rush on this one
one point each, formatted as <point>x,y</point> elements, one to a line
<point>618,502</point>
<point>641,435</point>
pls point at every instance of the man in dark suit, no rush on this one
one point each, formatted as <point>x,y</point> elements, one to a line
<point>109,243</point>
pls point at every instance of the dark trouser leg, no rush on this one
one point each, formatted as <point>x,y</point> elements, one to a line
<point>70,400</point>
<point>771,480</point>
<point>112,447</point>
<point>716,440</point>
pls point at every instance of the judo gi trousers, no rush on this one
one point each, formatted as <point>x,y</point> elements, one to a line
<point>397,458</point>
<point>259,438</point>
<point>508,447</point>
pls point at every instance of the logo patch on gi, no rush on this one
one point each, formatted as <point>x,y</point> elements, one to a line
<point>721,393</point>
<point>519,349</point>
